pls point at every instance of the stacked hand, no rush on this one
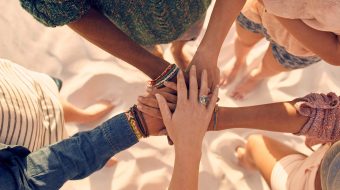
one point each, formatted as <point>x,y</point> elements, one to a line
<point>190,118</point>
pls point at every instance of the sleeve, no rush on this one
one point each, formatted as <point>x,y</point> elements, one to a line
<point>56,12</point>
<point>323,110</point>
<point>73,158</point>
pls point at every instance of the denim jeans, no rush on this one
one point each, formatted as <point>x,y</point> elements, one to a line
<point>73,158</point>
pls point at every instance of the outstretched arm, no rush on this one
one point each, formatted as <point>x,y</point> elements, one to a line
<point>222,17</point>
<point>324,44</point>
<point>73,158</point>
<point>100,31</point>
<point>278,117</point>
<point>187,127</point>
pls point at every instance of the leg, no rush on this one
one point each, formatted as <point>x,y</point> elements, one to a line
<point>180,57</point>
<point>244,41</point>
<point>263,153</point>
<point>90,114</point>
<point>268,67</point>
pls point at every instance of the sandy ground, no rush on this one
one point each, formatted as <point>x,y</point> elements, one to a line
<point>90,74</point>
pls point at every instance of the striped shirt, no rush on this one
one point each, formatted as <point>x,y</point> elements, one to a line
<point>31,113</point>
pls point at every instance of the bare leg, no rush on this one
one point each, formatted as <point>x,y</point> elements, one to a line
<point>90,114</point>
<point>268,67</point>
<point>263,153</point>
<point>181,58</point>
<point>244,41</point>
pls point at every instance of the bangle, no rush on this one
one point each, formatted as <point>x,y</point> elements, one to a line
<point>215,118</point>
<point>169,73</point>
<point>132,122</point>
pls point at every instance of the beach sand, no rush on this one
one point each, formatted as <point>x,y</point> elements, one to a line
<point>90,74</point>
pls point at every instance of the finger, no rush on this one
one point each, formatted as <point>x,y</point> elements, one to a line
<point>169,97</point>
<point>171,85</point>
<point>182,92</point>
<point>193,87</point>
<point>150,89</point>
<point>167,90</point>
<point>154,112</point>
<point>153,103</point>
<point>165,111</point>
<point>148,101</point>
<point>213,100</point>
<point>162,132</point>
<point>172,107</point>
<point>204,84</point>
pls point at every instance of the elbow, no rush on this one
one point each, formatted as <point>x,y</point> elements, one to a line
<point>334,60</point>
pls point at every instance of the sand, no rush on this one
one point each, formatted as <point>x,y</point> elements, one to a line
<point>90,74</point>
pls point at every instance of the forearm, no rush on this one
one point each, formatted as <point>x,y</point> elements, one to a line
<point>186,169</point>
<point>278,117</point>
<point>102,32</point>
<point>324,44</point>
<point>222,17</point>
<point>80,155</point>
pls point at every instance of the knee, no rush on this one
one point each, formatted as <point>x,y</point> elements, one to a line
<point>253,141</point>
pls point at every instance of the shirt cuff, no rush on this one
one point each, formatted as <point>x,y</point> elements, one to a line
<point>118,133</point>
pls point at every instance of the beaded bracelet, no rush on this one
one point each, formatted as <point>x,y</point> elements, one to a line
<point>132,122</point>
<point>169,73</point>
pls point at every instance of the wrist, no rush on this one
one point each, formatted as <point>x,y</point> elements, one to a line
<point>137,122</point>
<point>209,49</point>
<point>168,74</point>
<point>192,149</point>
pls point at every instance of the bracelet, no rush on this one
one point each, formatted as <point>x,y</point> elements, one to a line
<point>132,122</point>
<point>140,121</point>
<point>169,73</point>
<point>215,118</point>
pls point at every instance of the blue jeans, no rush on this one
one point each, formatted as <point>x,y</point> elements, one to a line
<point>73,158</point>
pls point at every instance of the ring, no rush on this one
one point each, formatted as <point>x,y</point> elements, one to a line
<point>204,100</point>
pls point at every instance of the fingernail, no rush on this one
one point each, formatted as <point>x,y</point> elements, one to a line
<point>157,96</point>
<point>166,82</point>
<point>139,106</point>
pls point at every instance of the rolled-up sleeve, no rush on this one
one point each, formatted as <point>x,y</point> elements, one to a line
<point>56,12</point>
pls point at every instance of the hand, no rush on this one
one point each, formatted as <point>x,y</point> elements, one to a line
<point>206,61</point>
<point>148,104</point>
<point>149,107</point>
<point>155,125</point>
<point>188,124</point>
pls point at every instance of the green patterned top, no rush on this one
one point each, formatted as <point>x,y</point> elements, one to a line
<point>147,22</point>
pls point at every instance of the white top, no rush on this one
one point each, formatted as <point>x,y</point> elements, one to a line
<point>31,114</point>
